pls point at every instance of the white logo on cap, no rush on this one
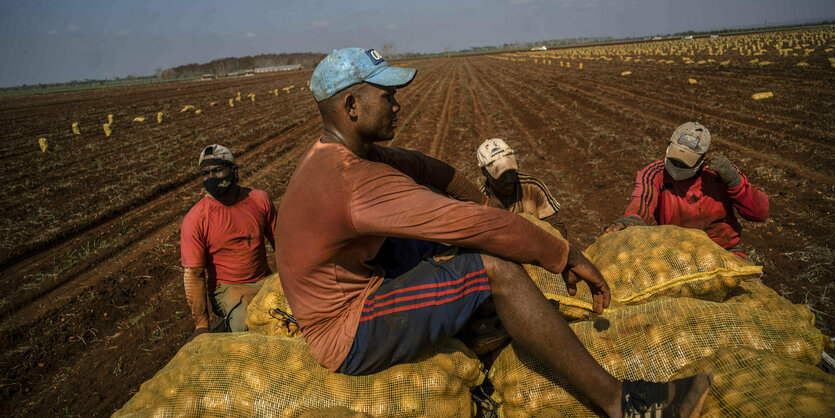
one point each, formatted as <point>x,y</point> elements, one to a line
<point>376,55</point>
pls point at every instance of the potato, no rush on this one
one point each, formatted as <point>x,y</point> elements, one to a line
<point>447,408</point>
<point>215,403</point>
<point>436,383</point>
<point>409,403</point>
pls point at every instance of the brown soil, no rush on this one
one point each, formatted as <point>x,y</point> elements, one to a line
<point>92,301</point>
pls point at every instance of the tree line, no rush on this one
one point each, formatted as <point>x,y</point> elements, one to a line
<point>229,65</point>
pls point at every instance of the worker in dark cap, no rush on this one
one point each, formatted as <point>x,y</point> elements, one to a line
<point>222,243</point>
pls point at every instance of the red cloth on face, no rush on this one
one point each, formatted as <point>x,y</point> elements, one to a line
<point>339,208</point>
<point>228,241</point>
<point>701,202</point>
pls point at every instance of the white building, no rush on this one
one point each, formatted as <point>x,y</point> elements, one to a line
<point>278,68</point>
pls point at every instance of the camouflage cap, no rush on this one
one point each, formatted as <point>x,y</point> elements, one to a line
<point>216,154</point>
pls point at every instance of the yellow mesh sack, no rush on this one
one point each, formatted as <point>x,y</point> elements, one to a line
<point>269,313</point>
<point>750,383</point>
<point>553,286</point>
<point>651,341</point>
<point>246,374</point>
<point>645,263</point>
<point>756,294</point>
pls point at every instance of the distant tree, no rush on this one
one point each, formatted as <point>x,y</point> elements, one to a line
<point>389,50</point>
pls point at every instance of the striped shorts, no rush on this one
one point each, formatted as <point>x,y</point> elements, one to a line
<point>429,293</point>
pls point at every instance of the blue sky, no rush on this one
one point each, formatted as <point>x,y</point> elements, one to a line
<point>46,41</point>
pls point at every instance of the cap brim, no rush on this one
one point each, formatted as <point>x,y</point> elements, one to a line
<point>499,166</point>
<point>683,154</point>
<point>393,77</point>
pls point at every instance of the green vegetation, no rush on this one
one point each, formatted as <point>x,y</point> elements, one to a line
<point>26,90</point>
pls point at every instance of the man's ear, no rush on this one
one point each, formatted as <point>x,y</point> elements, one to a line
<point>349,104</point>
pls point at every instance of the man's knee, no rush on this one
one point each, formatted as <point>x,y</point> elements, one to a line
<point>502,273</point>
<point>236,317</point>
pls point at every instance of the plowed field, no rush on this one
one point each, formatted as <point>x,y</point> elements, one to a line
<point>91,298</point>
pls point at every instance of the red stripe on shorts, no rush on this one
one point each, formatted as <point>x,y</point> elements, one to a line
<point>424,286</point>
<point>373,306</point>
<point>425,304</point>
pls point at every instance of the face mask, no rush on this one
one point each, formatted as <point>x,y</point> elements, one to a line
<point>680,173</point>
<point>219,186</point>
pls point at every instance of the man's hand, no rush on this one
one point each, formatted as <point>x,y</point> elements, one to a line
<point>198,331</point>
<point>579,268</point>
<point>623,223</point>
<point>723,168</point>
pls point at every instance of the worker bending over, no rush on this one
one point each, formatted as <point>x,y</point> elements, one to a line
<point>692,189</point>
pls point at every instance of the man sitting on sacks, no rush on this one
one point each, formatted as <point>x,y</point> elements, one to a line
<point>518,192</point>
<point>361,265</point>
<point>223,236</point>
<point>692,189</point>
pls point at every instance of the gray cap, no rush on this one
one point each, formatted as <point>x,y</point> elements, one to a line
<point>216,154</point>
<point>688,143</point>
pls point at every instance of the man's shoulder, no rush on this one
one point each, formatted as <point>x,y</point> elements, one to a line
<point>257,194</point>
<point>655,165</point>
<point>198,207</point>
<point>654,171</point>
<point>197,212</point>
<point>530,182</point>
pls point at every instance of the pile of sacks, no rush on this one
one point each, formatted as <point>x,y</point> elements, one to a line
<point>681,305</point>
<point>248,374</point>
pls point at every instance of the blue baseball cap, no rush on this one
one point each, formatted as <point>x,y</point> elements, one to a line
<point>348,66</point>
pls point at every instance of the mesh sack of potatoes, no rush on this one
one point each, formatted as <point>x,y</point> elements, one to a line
<point>553,286</point>
<point>246,374</point>
<point>269,313</point>
<point>751,383</point>
<point>651,341</point>
<point>645,263</point>
<point>756,294</point>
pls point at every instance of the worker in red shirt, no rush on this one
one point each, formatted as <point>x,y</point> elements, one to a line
<point>516,191</point>
<point>358,249</point>
<point>692,189</point>
<point>222,243</point>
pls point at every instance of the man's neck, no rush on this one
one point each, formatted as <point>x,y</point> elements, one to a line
<point>230,197</point>
<point>506,199</point>
<point>356,145</point>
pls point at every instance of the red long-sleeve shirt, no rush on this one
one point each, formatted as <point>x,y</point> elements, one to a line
<point>338,210</point>
<point>701,202</point>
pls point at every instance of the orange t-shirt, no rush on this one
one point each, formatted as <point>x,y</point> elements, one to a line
<point>339,208</point>
<point>228,241</point>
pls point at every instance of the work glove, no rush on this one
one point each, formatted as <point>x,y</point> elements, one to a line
<point>723,168</point>
<point>622,223</point>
